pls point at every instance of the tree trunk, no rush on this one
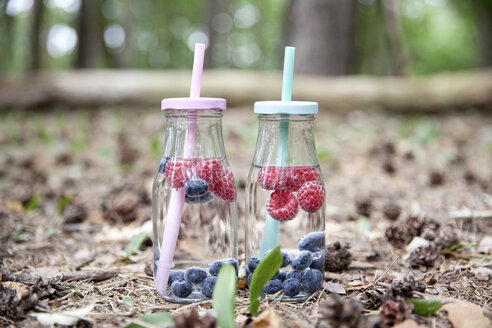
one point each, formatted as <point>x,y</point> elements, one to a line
<point>394,35</point>
<point>214,7</point>
<point>485,31</point>
<point>322,32</point>
<point>35,49</point>
<point>89,33</point>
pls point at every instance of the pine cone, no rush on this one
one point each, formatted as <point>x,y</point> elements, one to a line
<point>394,311</point>
<point>339,313</point>
<point>363,206</point>
<point>414,225</point>
<point>16,298</point>
<point>392,211</point>
<point>371,299</point>
<point>397,236</point>
<point>424,258</point>
<point>74,212</point>
<point>446,237</point>
<point>338,257</point>
<point>192,319</point>
<point>404,288</point>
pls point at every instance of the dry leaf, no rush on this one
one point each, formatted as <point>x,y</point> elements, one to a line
<point>482,273</point>
<point>268,319</point>
<point>334,288</point>
<point>465,315</point>
<point>485,245</point>
<point>65,318</point>
<point>409,323</point>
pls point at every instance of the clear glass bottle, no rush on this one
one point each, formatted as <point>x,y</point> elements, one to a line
<point>285,201</point>
<point>194,179</point>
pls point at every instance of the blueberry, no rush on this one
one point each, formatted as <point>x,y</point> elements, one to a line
<point>162,164</point>
<point>281,275</point>
<point>301,261</point>
<point>294,275</point>
<point>199,199</point>
<point>312,280</point>
<point>253,263</point>
<point>250,276</point>
<point>313,242</point>
<point>196,187</point>
<point>318,261</point>
<point>272,286</point>
<point>291,287</point>
<point>175,276</point>
<point>181,288</point>
<point>285,259</point>
<point>208,286</point>
<point>195,275</point>
<point>214,267</point>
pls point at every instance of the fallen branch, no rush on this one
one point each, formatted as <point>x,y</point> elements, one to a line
<point>93,88</point>
<point>33,277</point>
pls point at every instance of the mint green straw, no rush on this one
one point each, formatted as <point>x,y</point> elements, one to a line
<point>270,235</point>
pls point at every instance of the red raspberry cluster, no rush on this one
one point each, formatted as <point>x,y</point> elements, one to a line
<point>219,178</point>
<point>283,204</point>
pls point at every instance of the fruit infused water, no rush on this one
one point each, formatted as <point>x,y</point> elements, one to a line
<point>194,197</point>
<point>285,201</point>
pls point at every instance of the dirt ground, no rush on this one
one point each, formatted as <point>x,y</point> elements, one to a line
<point>75,188</point>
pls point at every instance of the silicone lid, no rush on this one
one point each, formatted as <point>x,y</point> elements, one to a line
<point>286,107</point>
<point>193,103</point>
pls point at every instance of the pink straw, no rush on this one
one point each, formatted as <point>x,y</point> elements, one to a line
<point>173,219</point>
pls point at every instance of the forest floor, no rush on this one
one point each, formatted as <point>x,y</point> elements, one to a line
<point>75,188</point>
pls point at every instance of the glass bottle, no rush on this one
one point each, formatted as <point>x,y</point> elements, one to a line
<point>285,201</point>
<point>195,187</point>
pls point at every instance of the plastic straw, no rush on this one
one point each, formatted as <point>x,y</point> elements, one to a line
<point>270,235</point>
<point>173,219</point>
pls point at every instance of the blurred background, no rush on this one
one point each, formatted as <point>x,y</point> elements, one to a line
<point>333,37</point>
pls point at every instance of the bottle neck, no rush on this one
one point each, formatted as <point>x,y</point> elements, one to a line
<point>285,140</point>
<point>194,134</point>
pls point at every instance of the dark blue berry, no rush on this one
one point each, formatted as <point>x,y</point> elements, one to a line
<point>199,199</point>
<point>208,286</point>
<point>272,286</point>
<point>253,263</point>
<point>181,288</point>
<point>281,275</point>
<point>214,267</point>
<point>313,242</point>
<point>294,275</point>
<point>175,276</point>
<point>301,261</point>
<point>318,261</point>
<point>291,287</point>
<point>196,187</point>
<point>285,259</point>
<point>195,275</point>
<point>250,276</point>
<point>162,164</point>
<point>312,280</point>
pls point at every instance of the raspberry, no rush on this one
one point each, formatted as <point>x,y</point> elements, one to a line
<point>311,196</point>
<point>272,178</point>
<point>226,187</point>
<point>210,170</point>
<point>298,175</point>
<point>177,172</point>
<point>282,205</point>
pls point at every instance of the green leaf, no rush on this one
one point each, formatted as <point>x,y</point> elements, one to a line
<point>457,246</point>
<point>135,243</point>
<point>17,237</point>
<point>364,224</point>
<point>265,270</point>
<point>425,307</point>
<point>62,203</point>
<point>128,301</point>
<point>32,204</point>
<point>158,319</point>
<point>224,296</point>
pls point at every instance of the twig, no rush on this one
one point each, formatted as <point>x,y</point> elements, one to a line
<point>33,277</point>
<point>466,255</point>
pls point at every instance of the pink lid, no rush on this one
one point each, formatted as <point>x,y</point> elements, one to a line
<point>193,103</point>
